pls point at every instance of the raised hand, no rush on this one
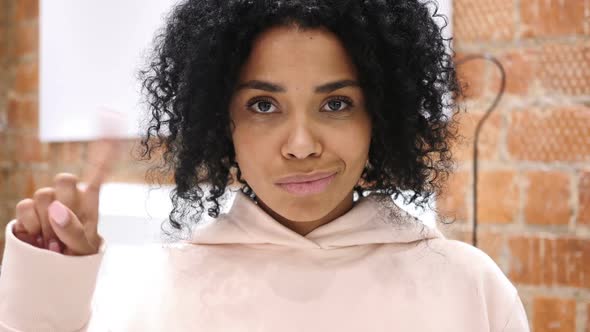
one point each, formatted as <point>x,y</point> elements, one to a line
<point>64,218</point>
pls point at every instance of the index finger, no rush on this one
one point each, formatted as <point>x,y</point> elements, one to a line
<point>105,151</point>
<point>101,160</point>
<point>102,155</point>
<point>100,164</point>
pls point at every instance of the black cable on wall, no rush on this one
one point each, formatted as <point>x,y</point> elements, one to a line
<point>480,123</point>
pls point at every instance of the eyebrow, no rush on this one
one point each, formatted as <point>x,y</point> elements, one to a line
<point>273,87</point>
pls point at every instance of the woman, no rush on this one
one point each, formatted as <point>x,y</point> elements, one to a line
<point>320,111</point>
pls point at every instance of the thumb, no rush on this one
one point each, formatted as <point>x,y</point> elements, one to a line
<point>69,230</point>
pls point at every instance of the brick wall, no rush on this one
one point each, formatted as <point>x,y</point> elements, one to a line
<point>534,197</point>
<point>534,183</point>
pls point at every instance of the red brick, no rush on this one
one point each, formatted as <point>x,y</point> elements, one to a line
<point>6,150</point>
<point>520,67</point>
<point>522,260</point>
<point>559,134</point>
<point>33,179</point>
<point>7,214</point>
<point>483,20</point>
<point>21,182</point>
<point>28,148</point>
<point>4,184</point>
<point>23,114</point>
<point>547,198</point>
<point>489,137</point>
<point>67,153</point>
<point>452,203</point>
<point>574,255</point>
<point>26,80</point>
<point>26,10</point>
<point>547,257</point>
<point>549,261</point>
<point>473,77</point>
<point>3,42</point>
<point>584,198</point>
<point>27,39</point>
<point>554,314</point>
<point>541,18</point>
<point>564,68</point>
<point>497,197</point>
<point>493,244</point>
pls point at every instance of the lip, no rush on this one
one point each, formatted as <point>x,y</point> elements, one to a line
<point>302,188</point>
<point>301,178</point>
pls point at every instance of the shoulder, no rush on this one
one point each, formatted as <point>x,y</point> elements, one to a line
<point>473,262</point>
<point>467,268</point>
<point>460,252</point>
<point>477,270</point>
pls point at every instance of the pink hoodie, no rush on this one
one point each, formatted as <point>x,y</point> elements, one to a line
<point>375,268</point>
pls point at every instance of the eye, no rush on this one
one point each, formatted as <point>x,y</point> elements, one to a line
<point>261,105</point>
<point>338,104</point>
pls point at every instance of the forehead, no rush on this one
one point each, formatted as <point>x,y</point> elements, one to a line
<point>292,52</point>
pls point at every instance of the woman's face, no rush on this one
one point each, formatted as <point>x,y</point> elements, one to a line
<point>298,109</point>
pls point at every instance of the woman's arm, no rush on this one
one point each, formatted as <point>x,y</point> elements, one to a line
<point>41,290</point>
<point>517,321</point>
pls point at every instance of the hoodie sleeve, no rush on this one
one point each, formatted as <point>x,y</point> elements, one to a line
<point>506,312</point>
<point>41,290</point>
<point>499,299</point>
<point>517,320</point>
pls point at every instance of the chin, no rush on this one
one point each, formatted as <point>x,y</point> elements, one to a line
<point>305,217</point>
<point>306,208</point>
<point>299,208</point>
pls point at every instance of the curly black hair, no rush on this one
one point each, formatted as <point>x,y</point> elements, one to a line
<point>406,73</point>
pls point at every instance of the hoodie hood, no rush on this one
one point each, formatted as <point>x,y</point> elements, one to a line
<point>374,219</point>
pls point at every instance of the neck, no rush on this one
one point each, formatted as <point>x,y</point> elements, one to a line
<point>305,227</point>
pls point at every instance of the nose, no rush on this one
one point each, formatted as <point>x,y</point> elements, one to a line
<point>301,142</point>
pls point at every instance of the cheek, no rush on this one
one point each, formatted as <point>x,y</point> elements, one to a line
<point>244,145</point>
<point>354,154</point>
<point>253,150</point>
<point>352,144</point>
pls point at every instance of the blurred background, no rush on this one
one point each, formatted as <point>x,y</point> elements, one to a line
<point>533,197</point>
